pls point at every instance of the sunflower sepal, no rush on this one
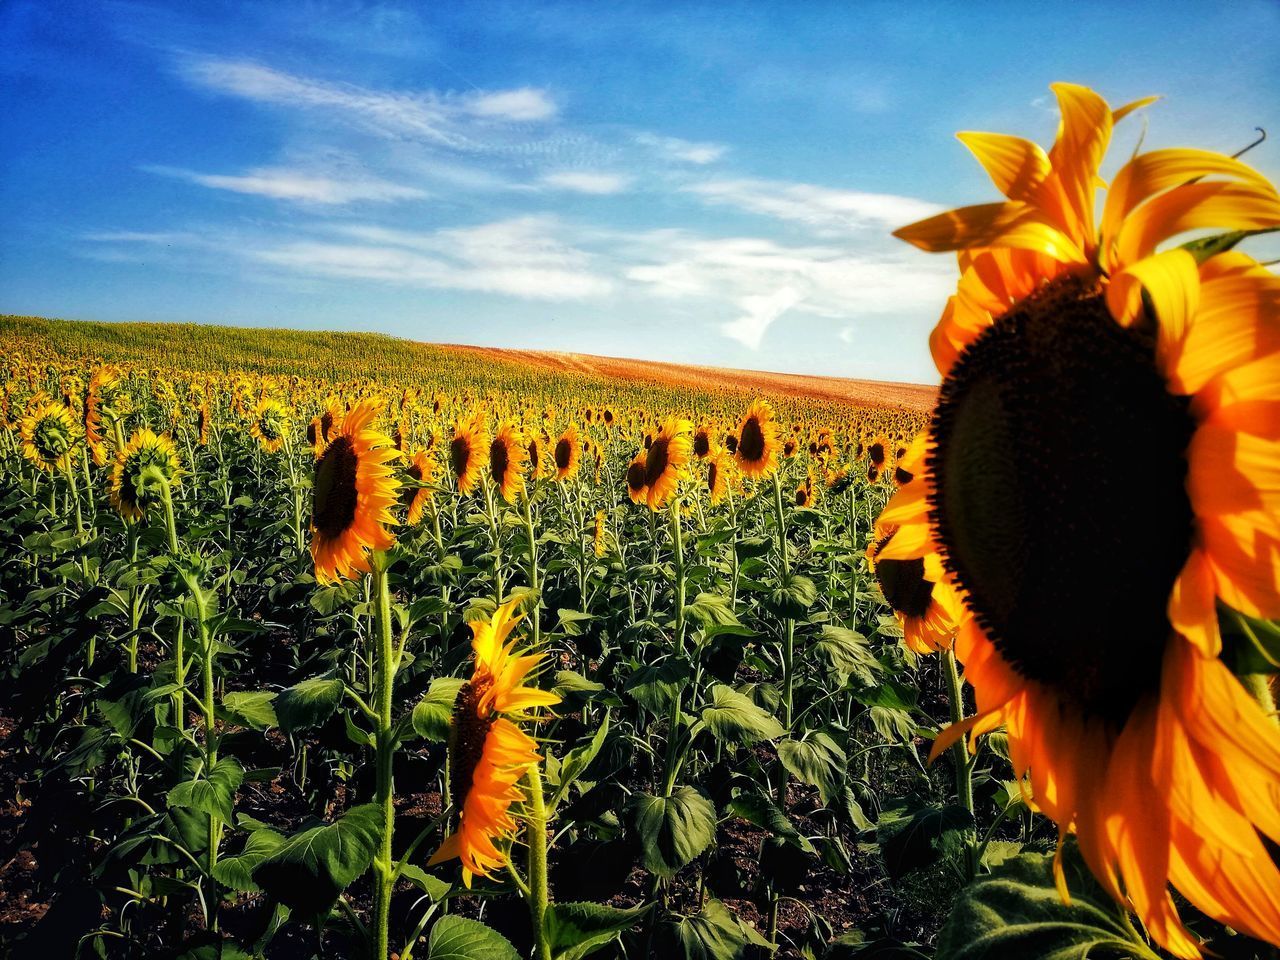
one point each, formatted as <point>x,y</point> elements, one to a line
<point>1206,247</point>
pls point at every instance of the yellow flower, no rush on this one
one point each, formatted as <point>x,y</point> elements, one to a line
<point>132,494</point>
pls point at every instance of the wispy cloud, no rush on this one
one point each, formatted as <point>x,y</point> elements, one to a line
<point>684,151</point>
<point>583,181</point>
<point>525,103</point>
<point>821,207</point>
<point>281,183</point>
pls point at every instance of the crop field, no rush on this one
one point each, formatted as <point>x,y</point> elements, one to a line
<point>337,645</point>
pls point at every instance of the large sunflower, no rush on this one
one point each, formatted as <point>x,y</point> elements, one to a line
<point>567,454</point>
<point>1069,349</point>
<point>269,423</point>
<point>354,491</point>
<point>637,488</point>
<point>665,462</point>
<point>488,752</point>
<point>48,435</point>
<point>507,455</point>
<point>131,493</point>
<point>467,449</point>
<point>756,446</point>
<point>718,476</point>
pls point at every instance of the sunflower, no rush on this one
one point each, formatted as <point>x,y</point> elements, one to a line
<point>598,535</point>
<point>718,476</point>
<point>48,435</point>
<point>466,450</point>
<point>203,417</point>
<point>101,384</point>
<point>534,455</point>
<point>756,443</point>
<point>637,488</point>
<point>354,490</point>
<point>804,493</point>
<point>567,454</point>
<point>269,423</point>
<point>421,470</point>
<point>488,752</point>
<point>507,455</point>
<point>132,492</point>
<point>703,445</point>
<point>320,427</point>
<point>664,464</point>
<point>1066,349</point>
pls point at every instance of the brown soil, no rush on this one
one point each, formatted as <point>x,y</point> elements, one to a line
<point>911,396</point>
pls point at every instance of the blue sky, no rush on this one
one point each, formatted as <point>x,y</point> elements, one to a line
<point>668,181</point>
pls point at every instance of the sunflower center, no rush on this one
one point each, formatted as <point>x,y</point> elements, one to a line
<point>564,453</point>
<point>712,473</point>
<point>635,475</point>
<point>499,459</point>
<point>333,505</point>
<point>903,584</point>
<point>467,736</point>
<point>533,456</point>
<point>876,452</point>
<point>701,443</point>
<point>751,443</point>
<point>1060,495</point>
<point>655,464</point>
<point>326,424</point>
<point>459,455</point>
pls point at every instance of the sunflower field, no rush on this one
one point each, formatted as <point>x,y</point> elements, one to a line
<point>322,645</point>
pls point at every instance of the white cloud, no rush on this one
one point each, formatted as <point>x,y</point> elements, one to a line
<point>821,207</point>
<point>762,280</point>
<point>582,181</point>
<point>281,183</point>
<point>685,151</point>
<point>526,103</point>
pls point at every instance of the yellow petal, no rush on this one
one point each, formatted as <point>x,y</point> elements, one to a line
<point>1010,224</point>
<point>1083,136</point>
<point>1218,205</point>
<point>1016,166</point>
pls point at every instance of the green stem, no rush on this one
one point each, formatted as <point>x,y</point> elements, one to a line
<point>533,565</point>
<point>1259,687</point>
<point>960,750</point>
<point>788,627</point>
<point>673,713</point>
<point>383,866</point>
<point>536,837</point>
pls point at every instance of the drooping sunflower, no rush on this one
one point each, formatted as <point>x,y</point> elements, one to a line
<point>467,450</point>
<point>132,494</point>
<point>488,752</point>
<point>665,463</point>
<point>354,491</point>
<point>804,492</point>
<point>319,428</point>
<point>1069,347</point>
<point>203,418</point>
<point>703,445</point>
<point>268,424</point>
<point>507,455</point>
<point>421,469</point>
<point>102,382</point>
<point>535,454</point>
<point>637,488</point>
<point>756,446</point>
<point>567,454</point>
<point>48,435</point>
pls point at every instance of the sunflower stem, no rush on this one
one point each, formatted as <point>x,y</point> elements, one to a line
<point>536,837</point>
<point>960,753</point>
<point>1259,687</point>
<point>533,564</point>
<point>673,713</point>
<point>788,630</point>
<point>383,865</point>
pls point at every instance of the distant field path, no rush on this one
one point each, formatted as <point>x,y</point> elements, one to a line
<point>911,396</point>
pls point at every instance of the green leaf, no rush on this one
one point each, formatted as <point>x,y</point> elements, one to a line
<point>758,809</point>
<point>673,830</point>
<point>432,714</point>
<point>236,871</point>
<point>793,598</point>
<point>914,834</point>
<point>212,795</point>
<point>734,717</point>
<point>712,609</point>
<point>576,930</point>
<point>576,762</point>
<point>1016,912</point>
<point>850,654</point>
<point>433,887</point>
<point>457,938</point>
<point>1206,247</point>
<point>250,708</point>
<point>716,934</point>
<point>308,704</point>
<point>1250,645</point>
<point>571,621</point>
<point>817,760</point>
<point>654,687</point>
<point>310,869</point>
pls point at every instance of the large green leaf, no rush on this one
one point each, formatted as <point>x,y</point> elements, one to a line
<point>673,830</point>
<point>457,938</point>
<point>250,708</point>
<point>793,597</point>
<point>1016,912</point>
<point>308,704</point>
<point>815,759</point>
<point>310,869</point>
<point>654,687</point>
<point>213,794</point>
<point>758,809</point>
<point>236,871</point>
<point>576,930</point>
<point>576,761</point>
<point>432,714</point>
<point>716,934</point>
<point>850,654</point>
<point>734,717</point>
<point>914,834</point>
